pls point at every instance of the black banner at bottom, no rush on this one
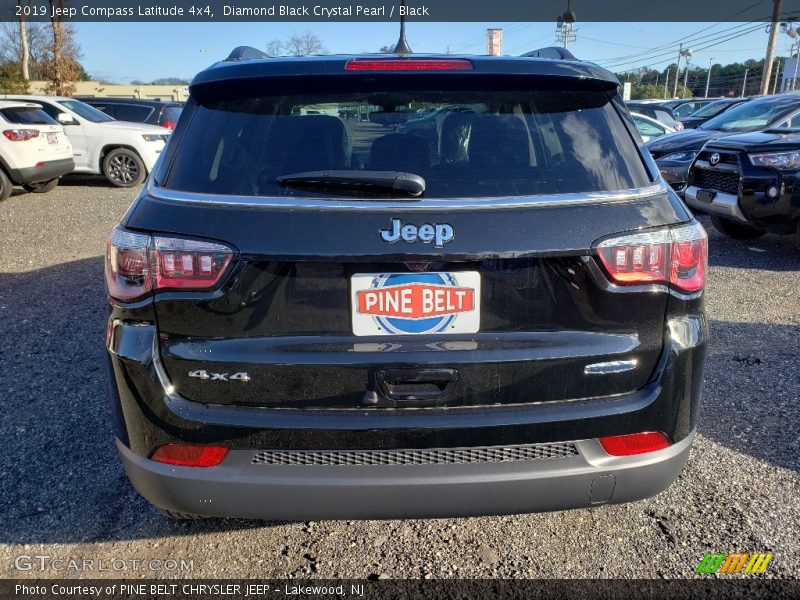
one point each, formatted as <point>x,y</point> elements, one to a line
<point>456,589</point>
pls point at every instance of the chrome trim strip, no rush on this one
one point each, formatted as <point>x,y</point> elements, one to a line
<point>424,204</point>
<point>612,366</point>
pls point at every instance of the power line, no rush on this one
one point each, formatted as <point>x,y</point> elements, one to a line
<point>669,50</point>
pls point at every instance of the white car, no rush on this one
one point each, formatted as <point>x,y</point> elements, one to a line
<point>34,152</point>
<point>650,128</point>
<point>121,151</point>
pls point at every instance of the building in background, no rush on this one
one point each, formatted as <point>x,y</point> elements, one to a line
<point>105,90</point>
<point>494,42</point>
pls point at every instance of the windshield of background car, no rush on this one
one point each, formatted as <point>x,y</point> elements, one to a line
<point>753,115</point>
<point>89,113</point>
<point>711,110</point>
<point>471,142</point>
<point>22,115</point>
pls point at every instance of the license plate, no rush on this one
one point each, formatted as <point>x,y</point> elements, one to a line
<point>705,195</point>
<point>52,138</point>
<point>415,303</point>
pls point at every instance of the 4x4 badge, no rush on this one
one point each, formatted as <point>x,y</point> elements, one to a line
<point>438,233</point>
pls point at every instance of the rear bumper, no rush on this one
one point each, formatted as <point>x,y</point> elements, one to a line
<point>241,488</point>
<point>49,170</point>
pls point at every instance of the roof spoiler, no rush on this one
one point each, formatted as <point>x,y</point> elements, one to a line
<point>551,52</point>
<point>245,53</point>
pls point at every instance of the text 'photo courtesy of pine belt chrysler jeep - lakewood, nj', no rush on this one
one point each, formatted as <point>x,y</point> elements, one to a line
<point>316,312</point>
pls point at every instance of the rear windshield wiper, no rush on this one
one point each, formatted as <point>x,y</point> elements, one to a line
<point>398,182</point>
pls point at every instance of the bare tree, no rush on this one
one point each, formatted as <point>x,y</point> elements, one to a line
<point>25,54</point>
<point>62,68</point>
<point>303,44</point>
<point>386,49</point>
<point>275,48</point>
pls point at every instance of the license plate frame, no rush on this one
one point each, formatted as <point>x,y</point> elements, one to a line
<point>424,303</point>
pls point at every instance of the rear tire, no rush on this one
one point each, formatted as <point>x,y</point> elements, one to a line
<point>123,168</point>
<point>737,231</point>
<point>797,238</point>
<point>6,187</point>
<point>42,187</point>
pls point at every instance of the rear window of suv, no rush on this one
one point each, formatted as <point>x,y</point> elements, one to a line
<point>463,142</point>
<point>27,116</point>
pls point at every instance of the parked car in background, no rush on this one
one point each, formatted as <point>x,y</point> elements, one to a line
<point>674,154</point>
<point>749,183</point>
<point>316,319</point>
<point>709,111</point>
<point>123,152</point>
<point>155,112</point>
<point>650,128</point>
<point>34,152</point>
<point>662,114</point>
<point>687,106</point>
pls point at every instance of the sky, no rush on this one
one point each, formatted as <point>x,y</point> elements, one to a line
<point>121,52</point>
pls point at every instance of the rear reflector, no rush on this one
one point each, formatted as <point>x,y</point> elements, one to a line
<point>677,256</point>
<point>190,455</point>
<point>137,263</point>
<point>634,443</point>
<point>408,64</point>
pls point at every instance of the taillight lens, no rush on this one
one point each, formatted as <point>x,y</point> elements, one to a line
<point>21,135</point>
<point>190,455</point>
<point>634,443</point>
<point>137,263</point>
<point>408,64</point>
<point>677,256</point>
<point>169,125</point>
<point>127,264</point>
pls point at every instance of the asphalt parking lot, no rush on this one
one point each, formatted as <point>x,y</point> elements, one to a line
<point>63,493</point>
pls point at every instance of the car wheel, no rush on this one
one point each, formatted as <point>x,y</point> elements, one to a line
<point>42,187</point>
<point>797,238</point>
<point>6,187</point>
<point>737,231</point>
<point>123,168</point>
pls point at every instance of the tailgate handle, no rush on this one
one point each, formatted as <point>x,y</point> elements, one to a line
<point>416,384</point>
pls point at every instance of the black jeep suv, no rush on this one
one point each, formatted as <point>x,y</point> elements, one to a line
<point>315,317</point>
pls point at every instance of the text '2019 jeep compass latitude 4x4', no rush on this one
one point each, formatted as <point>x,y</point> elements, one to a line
<point>316,317</point>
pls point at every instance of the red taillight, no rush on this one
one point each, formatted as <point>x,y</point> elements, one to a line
<point>678,256</point>
<point>408,64</point>
<point>190,455</point>
<point>21,135</point>
<point>137,263</point>
<point>169,125</point>
<point>634,443</point>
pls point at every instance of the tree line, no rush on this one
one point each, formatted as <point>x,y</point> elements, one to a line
<point>726,80</point>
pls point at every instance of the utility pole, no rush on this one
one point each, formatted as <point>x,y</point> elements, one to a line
<point>773,38</point>
<point>708,79</point>
<point>796,61</point>
<point>685,76</point>
<point>666,84</point>
<point>777,74</point>
<point>744,83</point>
<point>678,70</point>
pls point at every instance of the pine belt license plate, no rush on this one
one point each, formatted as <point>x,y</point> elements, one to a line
<point>52,138</point>
<point>415,303</point>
